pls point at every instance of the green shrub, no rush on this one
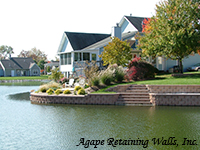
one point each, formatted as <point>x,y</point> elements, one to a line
<point>77,88</point>
<point>95,81</point>
<point>37,91</point>
<point>106,79</point>
<point>119,74</point>
<point>50,91</point>
<point>67,91</point>
<point>58,91</point>
<point>81,91</point>
<point>86,86</point>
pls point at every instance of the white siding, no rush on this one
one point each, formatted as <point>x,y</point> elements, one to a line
<point>170,63</point>
<point>190,61</point>
<point>64,68</point>
<point>68,47</point>
<point>127,26</point>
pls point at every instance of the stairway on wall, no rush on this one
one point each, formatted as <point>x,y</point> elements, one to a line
<point>135,95</point>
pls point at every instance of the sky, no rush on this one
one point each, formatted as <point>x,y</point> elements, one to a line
<point>26,24</point>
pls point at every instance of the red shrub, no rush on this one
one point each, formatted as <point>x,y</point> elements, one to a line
<point>139,70</point>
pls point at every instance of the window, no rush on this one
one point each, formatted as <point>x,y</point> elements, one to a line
<point>35,72</point>
<point>77,57</point>
<point>86,56</point>
<point>61,59</point>
<point>94,57</point>
<point>69,58</point>
<point>65,59</point>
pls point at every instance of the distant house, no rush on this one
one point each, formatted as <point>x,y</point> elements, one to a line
<point>18,66</point>
<point>51,64</point>
<point>75,48</point>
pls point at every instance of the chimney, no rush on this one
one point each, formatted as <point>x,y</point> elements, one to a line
<point>116,31</point>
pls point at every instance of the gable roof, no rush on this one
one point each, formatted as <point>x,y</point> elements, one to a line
<point>81,40</point>
<point>9,64</point>
<point>17,63</point>
<point>135,21</point>
<point>105,41</point>
<point>24,63</point>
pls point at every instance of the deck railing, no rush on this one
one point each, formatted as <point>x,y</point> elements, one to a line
<point>79,66</point>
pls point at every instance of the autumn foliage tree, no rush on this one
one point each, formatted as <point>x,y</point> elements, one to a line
<point>173,32</point>
<point>36,54</point>
<point>116,52</point>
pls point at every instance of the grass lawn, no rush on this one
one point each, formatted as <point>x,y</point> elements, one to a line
<point>42,77</point>
<point>165,79</point>
<point>176,80</point>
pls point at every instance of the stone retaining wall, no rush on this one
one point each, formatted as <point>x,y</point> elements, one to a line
<point>93,99</point>
<point>175,95</point>
<point>175,99</point>
<point>173,88</point>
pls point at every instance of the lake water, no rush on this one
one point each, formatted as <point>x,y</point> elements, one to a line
<point>29,126</point>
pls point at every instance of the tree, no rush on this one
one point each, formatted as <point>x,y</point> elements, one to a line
<point>24,54</point>
<point>116,52</point>
<point>35,54</point>
<point>173,32</point>
<point>56,74</point>
<point>5,50</point>
<point>48,68</point>
<point>41,64</point>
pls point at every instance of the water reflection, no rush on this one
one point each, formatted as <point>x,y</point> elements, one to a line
<point>20,96</point>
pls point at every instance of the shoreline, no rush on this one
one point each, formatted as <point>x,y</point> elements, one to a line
<point>23,80</point>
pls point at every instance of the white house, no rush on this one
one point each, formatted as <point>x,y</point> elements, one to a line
<point>75,48</point>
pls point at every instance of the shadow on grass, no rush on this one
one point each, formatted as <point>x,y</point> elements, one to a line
<point>188,76</point>
<point>158,78</point>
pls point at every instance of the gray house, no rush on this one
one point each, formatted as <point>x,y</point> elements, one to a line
<point>51,64</point>
<point>18,66</point>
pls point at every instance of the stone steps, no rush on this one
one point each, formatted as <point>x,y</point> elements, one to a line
<point>135,95</point>
<point>137,91</point>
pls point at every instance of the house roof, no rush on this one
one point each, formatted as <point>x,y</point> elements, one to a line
<point>81,40</point>
<point>9,64</point>
<point>135,21</point>
<point>105,41</point>
<point>52,63</point>
<point>18,63</point>
<point>24,63</point>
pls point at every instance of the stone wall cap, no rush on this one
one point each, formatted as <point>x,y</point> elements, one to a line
<point>173,85</point>
<point>106,94</point>
<point>183,94</point>
<point>54,95</point>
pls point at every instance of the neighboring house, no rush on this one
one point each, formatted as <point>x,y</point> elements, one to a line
<point>75,48</point>
<point>51,64</point>
<point>18,66</point>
